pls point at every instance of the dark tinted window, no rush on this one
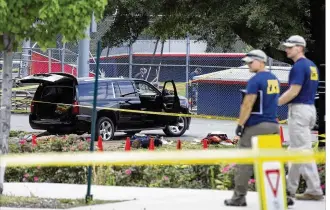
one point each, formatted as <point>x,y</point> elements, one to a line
<point>126,89</point>
<point>57,94</point>
<point>143,87</point>
<point>116,88</point>
<point>86,91</point>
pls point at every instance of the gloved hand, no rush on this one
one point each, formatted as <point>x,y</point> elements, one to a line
<point>239,130</point>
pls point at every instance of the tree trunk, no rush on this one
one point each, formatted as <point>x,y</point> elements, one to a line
<point>5,107</point>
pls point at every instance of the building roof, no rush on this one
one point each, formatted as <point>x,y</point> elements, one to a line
<point>242,74</point>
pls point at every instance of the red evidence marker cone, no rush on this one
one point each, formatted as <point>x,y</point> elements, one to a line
<point>34,139</point>
<point>100,143</point>
<point>204,144</point>
<point>178,145</point>
<point>128,144</point>
<point>151,144</point>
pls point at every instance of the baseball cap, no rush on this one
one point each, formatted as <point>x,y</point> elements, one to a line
<point>255,55</point>
<point>295,40</point>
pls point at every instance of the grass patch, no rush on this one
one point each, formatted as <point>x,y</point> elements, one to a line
<point>17,133</point>
<point>36,202</point>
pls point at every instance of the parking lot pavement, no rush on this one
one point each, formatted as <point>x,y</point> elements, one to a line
<point>199,128</point>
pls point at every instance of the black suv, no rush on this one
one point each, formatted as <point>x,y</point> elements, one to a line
<point>77,94</point>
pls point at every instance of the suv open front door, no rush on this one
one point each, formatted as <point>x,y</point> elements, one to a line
<point>171,101</point>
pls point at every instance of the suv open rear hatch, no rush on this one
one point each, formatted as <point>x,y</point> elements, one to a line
<point>50,78</point>
<point>54,99</point>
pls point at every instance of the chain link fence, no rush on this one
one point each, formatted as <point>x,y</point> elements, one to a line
<point>211,79</point>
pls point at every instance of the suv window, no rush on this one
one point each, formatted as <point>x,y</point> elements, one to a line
<point>86,91</point>
<point>57,94</point>
<point>143,88</point>
<point>126,89</point>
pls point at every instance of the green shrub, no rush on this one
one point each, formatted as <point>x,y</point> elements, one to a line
<point>49,174</point>
<point>175,176</point>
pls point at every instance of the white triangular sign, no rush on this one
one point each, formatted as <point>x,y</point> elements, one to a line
<point>273,177</point>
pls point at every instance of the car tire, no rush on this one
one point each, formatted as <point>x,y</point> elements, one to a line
<point>105,128</point>
<point>177,130</point>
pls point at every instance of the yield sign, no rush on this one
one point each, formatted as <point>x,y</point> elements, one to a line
<point>274,182</point>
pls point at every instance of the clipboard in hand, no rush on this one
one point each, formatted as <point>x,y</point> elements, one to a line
<point>257,107</point>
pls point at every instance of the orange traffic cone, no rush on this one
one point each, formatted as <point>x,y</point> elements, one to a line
<point>178,145</point>
<point>204,143</point>
<point>151,144</point>
<point>100,143</point>
<point>34,140</point>
<point>128,144</point>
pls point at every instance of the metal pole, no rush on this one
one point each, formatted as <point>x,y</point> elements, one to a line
<point>130,51</point>
<point>270,63</point>
<point>63,57</point>
<point>187,65</point>
<point>83,60</point>
<point>49,61</point>
<point>26,58</point>
<point>89,196</point>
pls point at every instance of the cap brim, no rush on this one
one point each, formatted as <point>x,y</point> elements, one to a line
<point>247,59</point>
<point>286,44</point>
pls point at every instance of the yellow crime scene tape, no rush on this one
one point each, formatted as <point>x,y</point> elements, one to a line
<point>144,112</point>
<point>157,113</point>
<point>191,157</point>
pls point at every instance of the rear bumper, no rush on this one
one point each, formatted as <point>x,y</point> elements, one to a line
<point>78,123</point>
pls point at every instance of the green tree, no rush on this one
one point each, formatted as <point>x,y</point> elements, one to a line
<point>40,21</point>
<point>261,24</point>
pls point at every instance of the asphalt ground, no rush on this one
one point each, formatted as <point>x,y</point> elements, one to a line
<point>199,128</point>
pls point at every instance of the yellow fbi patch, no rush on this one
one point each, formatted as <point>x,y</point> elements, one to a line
<point>314,74</point>
<point>273,86</point>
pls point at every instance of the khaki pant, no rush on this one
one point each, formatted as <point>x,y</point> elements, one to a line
<point>244,172</point>
<point>301,119</point>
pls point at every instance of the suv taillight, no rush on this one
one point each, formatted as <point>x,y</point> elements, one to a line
<point>32,107</point>
<point>75,108</point>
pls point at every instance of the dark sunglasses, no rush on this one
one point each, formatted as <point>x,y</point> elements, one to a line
<point>254,55</point>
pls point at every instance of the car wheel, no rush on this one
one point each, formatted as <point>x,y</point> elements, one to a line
<point>178,129</point>
<point>105,128</point>
<point>131,133</point>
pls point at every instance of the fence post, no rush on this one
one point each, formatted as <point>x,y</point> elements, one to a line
<point>187,65</point>
<point>26,59</point>
<point>130,52</point>
<point>270,63</point>
<point>83,50</point>
<point>49,60</point>
<point>63,57</point>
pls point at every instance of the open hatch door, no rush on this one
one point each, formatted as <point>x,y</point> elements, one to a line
<point>50,78</point>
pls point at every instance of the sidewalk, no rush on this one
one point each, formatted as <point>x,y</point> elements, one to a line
<point>143,198</point>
